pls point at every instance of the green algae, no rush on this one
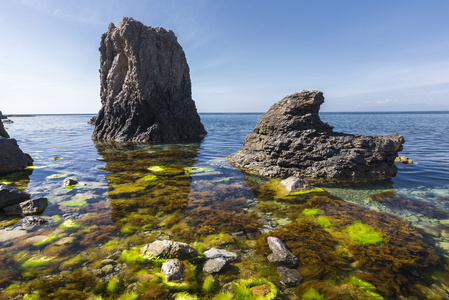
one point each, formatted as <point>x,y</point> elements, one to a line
<point>32,296</point>
<point>150,178</point>
<point>157,169</point>
<point>34,167</point>
<point>69,225</point>
<point>59,175</point>
<point>224,296</point>
<point>218,240</point>
<point>130,295</point>
<point>242,289</point>
<point>50,239</point>
<point>36,262</point>
<point>75,203</point>
<point>368,289</point>
<point>114,286</point>
<point>311,212</point>
<point>209,285</point>
<point>199,169</point>
<point>364,234</point>
<point>186,296</point>
<point>128,229</point>
<point>324,222</point>
<point>312,294</point>
<point>306,192</point>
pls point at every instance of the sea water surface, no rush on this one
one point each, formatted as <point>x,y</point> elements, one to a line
<point>129,195</point>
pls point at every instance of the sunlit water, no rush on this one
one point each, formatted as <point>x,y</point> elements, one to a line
<point>120,206</point>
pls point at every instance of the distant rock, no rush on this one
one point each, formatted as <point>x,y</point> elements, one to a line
<point>10,195</point>
<point>404,159</point>
<point>168,248</point>
<point>2,116</point>
<point>12,159</point>
<point>145,87</point>
<point>291,140</point>
<point>93,120</point>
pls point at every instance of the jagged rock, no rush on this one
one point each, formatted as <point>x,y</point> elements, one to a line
<point>70,182</point>
<point>168,248</point>
<point>2,116</point>
<point>10,195</point>
<point>293,184</point>
<point>29,207</point>
<point>145,87</point>
<point>33,220</point>
<point>220,253</point>
<point>291,140</point>
<point>172,269</point>
<point>214,265</point>
<point>12,159</point>
<point>93,120</point>
<point>281,255</point>
<point>289,277</point>
<point>404,159</point>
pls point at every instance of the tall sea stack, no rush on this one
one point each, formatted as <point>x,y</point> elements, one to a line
<point>291,140</point>
<point>145,87</point>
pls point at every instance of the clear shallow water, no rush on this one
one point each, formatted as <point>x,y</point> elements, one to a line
<point>191,205</point>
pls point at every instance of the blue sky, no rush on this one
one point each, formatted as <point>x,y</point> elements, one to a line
<point>243,55</point>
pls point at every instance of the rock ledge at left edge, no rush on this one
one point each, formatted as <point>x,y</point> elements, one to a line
<point>12,159</point>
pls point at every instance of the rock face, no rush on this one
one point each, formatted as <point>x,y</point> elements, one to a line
<point>145,87</point>
<point>291,140</point>
<point>12,159</point>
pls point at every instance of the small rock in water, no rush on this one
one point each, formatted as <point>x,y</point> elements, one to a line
<point>172,269</point>
<point>280,253</point>
<point>220,253</point>
<point>214,265</point>
<point>289,277</point>
<point>33,220</point>
<point>168,248</point>
<point>294,184</point>
<point>403,159</point>
<point>70,182</point>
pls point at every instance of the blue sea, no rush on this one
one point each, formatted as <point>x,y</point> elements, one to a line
<point>109,185</point>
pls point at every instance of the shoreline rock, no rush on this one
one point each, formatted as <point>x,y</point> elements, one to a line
<point>145,87</point>
<point>291,140</point>
<point>12,159</point>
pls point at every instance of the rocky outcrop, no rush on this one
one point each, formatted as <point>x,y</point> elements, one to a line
<point>291,140</point>
<point>12,159</point>
<point>145,87</point>
<point>10,195</point>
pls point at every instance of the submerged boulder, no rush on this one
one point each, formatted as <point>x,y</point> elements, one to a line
<point>168,248</point>
<point>145,87</point>
<point>291,140</point>
<point>12,159</point>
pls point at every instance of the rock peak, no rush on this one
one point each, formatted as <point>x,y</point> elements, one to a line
<point>145,87</point>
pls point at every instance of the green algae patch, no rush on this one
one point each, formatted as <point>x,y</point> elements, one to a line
<point>255,288</point>
<point>36,262</point>
<point>57,175</point>
<point>368,289</point>
<point>193,170</point>
<point>218,240</point>
<point>300,193</point>
<point>69,225</point>
<point>114,286</point>
<point>312,294</point>
<point>128,229</point>
<point>32,296</point>
<point>157,169</point>
<point>133,256</point>
<point>209,285</point>
<point>150,178</point>
<point>324,222</point>
<point>50,239</point>
<point>34,167</point>
<point>6,182</point>
<point>75,203</point>
<point>364,234</point>
<point>57,219</point>
<point>186,296</point>
<point>225,296</point>
<point>311,212</point>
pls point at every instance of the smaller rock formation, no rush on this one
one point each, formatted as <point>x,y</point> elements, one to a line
<point>168,248</point>
<point>10,195</point>
<point>289,277</point>
<point>145,87</point>
<point>291,140</point>
<point>173,269</point>
<point>2,116</point>
<point>281,255</point>
<point>33,221</point>
<point>12,159</point>
<point>29,207</point>
<point>404,160</point>
<point>70,182</point>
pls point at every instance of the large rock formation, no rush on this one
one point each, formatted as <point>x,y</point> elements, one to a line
<point>145,87</point>
<point>291,140</point>
<point>12,159</point>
